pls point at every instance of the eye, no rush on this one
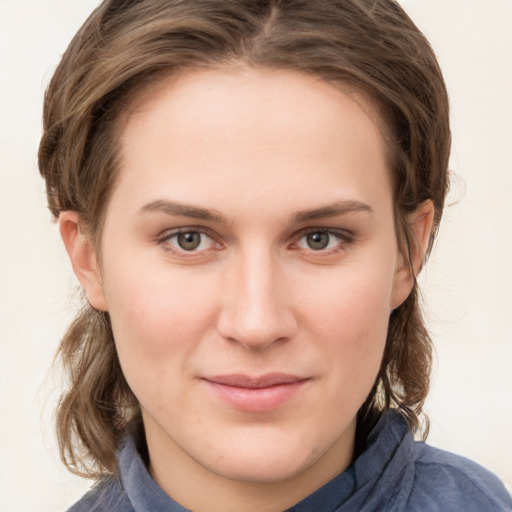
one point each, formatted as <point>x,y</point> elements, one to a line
<point>187,241</point>
<point>323,240</point>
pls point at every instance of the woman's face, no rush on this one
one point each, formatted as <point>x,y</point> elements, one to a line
<point>249,266</point>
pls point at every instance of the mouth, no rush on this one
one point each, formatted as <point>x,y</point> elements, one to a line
<point>256,394</point>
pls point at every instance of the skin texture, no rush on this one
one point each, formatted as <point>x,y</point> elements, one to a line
<point>276,165</point>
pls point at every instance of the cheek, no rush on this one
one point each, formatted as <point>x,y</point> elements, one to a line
<point>358,337</point>
<point>153,302</point>
<point>158,321</point>
<point>354,299</point>
<point>349,319</point>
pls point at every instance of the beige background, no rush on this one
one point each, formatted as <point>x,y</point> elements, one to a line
<point>467,283</point>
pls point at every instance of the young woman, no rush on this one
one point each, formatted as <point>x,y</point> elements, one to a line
<point>247,191</point>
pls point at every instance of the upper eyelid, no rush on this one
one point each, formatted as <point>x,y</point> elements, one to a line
<point>341,232</point>
<point>345,234</point>
<point>345,238</point>
<point>163,239</point>
<point>169,233</point>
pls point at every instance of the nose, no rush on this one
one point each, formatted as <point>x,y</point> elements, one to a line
<point>256,306</point>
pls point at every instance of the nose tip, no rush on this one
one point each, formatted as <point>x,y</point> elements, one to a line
<point>256,324</point>
<point>255,338</point>
<point>256,310</point>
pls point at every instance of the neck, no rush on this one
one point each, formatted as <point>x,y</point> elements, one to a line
<point>200,489</point>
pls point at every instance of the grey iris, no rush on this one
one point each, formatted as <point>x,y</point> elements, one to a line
<point>318,241</point>
<point>189,241</point>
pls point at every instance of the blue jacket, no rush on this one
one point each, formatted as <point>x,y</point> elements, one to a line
<point>393,474</point>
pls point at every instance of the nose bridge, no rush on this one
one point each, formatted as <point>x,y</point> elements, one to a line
<point>257,310</point>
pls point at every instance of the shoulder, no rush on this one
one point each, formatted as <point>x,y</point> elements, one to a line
<point>445,481</point>
<point>106,496</point>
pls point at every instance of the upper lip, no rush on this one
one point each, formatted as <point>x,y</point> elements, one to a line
<point>263,381</point>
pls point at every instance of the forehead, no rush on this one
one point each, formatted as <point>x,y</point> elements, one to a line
<point>243,125</point>
<point>214,87</point>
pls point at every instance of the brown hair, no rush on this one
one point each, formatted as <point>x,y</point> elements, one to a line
<point>371,46</point>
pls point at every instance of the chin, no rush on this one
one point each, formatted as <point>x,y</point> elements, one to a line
<point>263,467</point>
<point>264,456</point>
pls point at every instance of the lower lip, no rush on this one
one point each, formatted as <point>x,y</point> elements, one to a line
<point>257,399</point>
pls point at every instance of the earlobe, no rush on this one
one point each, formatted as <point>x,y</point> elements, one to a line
<point>83,258</point>
<point>420,224</point>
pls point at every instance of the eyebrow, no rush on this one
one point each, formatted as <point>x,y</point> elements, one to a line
<point>183,210</point>
<point>332,210</point>
<point>176,208</point>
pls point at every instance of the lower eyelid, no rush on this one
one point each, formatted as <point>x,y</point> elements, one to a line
<point>166,237</point>
<point>342,236</point>
<point>343,242</point>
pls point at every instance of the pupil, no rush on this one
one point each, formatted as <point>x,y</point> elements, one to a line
<point>318,240</point>
<point>189,241</point>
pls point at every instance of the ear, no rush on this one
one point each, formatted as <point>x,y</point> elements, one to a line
<point>420,223</point>
<point>83,258</point>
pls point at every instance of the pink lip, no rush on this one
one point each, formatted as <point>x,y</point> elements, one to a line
<point>256,394</point>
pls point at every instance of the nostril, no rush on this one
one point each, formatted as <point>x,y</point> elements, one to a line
<point>256,332</point>
<point>250,344</point>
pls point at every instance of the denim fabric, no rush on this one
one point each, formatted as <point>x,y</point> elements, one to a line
<point>393,474</point>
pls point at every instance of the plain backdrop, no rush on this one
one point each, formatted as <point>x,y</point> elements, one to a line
<point>467,283</point>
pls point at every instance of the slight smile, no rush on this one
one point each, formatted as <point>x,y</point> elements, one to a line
<point>256,394</point>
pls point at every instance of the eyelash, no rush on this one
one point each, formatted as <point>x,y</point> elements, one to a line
<point>344,238</point>
<point>164,240</point>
